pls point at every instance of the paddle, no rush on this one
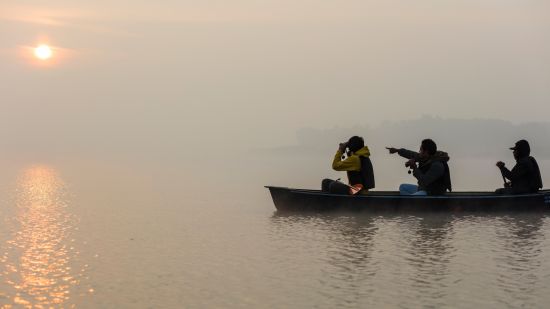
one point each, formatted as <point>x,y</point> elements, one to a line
<point>506,184</point>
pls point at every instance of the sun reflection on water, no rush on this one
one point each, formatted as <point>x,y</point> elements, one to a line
<point>39,256</point>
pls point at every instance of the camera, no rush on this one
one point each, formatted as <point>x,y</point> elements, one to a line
<point>410,164</point>
<point>344,149</point>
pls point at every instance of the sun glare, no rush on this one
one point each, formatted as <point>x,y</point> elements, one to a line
<point>43,52</point>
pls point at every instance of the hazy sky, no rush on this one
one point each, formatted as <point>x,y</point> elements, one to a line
<point>253,72</point>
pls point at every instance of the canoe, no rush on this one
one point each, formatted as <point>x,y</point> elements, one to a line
<point>289,200</point>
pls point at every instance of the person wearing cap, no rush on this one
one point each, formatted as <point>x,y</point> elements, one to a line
<point>525,175</point>
<point>356,163</point>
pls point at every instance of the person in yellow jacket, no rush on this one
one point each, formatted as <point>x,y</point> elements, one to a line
<point>358,166</point>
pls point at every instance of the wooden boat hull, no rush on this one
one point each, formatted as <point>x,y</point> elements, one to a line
<point>288,199</point>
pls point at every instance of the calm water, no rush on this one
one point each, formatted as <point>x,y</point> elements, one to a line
<point>93,236</point>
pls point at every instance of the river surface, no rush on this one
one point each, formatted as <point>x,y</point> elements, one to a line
<point>90,236</point>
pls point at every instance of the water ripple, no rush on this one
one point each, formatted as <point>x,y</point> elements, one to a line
<point>429,260</point>
<point>38,259</point>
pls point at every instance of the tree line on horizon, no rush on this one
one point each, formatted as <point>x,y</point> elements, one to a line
<point>459,137</point>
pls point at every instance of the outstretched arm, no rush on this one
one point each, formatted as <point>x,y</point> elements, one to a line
<point>407,154</point>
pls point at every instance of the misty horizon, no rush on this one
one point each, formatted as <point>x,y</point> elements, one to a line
<point>180,75</point>
<point>136,138</point>
<point>464,137</point>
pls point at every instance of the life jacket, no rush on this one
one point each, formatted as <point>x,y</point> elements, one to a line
<point>441,185</point>
<point>365,176</point>
<point>536,178</point>
<point>529,182</point>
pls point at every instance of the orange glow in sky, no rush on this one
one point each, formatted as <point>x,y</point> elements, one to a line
<point>43,52</point>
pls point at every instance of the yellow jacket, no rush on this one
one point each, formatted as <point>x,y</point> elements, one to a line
<point>351,163</point>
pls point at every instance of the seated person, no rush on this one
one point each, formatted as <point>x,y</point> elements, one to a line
<point>358,166</point>
<point>432,171</point>
<point>525,175</point>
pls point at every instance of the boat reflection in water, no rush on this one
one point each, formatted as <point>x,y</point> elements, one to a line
<point>38,259</point>
<point>359,260</point>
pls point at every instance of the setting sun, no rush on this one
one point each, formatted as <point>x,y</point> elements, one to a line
<point>43,52</point>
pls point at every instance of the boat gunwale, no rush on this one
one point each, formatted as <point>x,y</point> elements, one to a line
<point>395,195</point>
